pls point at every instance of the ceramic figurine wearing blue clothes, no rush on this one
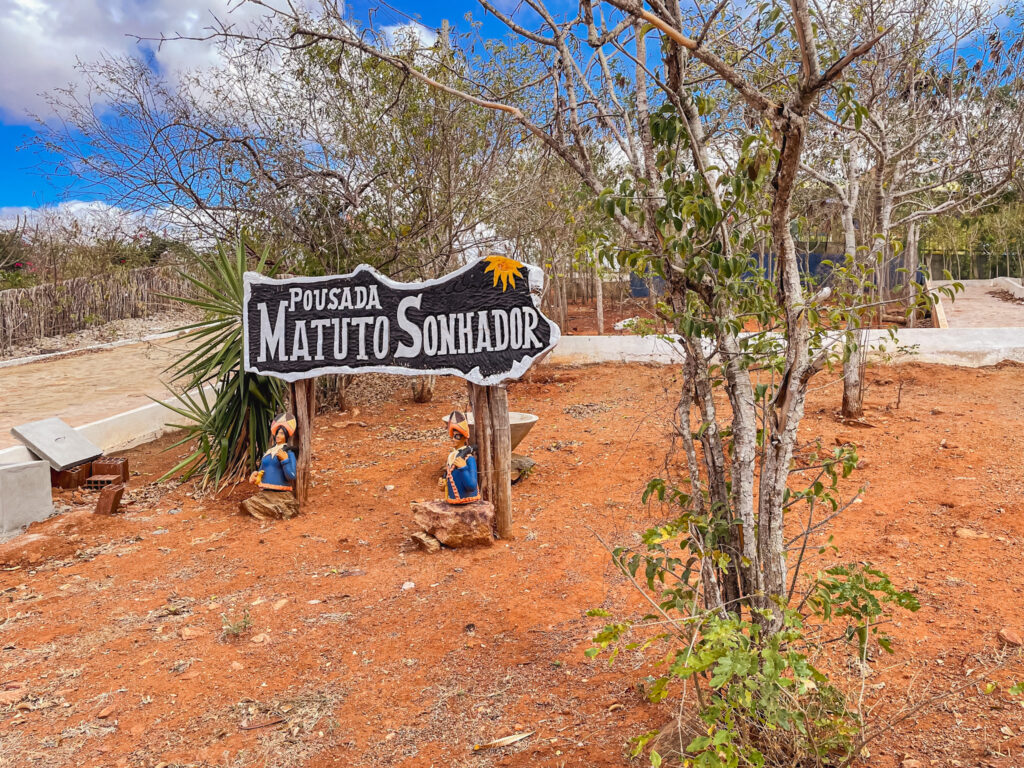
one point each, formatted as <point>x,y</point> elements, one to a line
<point>277,467</point>
<point>460,481</point>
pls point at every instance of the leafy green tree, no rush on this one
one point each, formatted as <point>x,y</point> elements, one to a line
<point>934,128</point>
<point>707,110</point>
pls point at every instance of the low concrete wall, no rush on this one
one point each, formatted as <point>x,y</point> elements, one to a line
<point>970,347</point>
<point>25,495</point>
<point>1007,284</point>
<point>581,350</point>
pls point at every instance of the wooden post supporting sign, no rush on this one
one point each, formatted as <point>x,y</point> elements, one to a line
<point>493,438</point>
<point>482,322</point>
<point>501,455</point>
<point>303,394</point>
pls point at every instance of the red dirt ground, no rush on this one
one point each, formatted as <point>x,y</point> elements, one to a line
<point>112,643</point>
<point>583,317</point>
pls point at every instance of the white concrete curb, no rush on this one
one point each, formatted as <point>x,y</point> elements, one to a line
<point>116,433</point>
<point>970,347</point>
<point>93,348</point>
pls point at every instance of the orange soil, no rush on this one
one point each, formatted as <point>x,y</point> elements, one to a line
<point>96,671</point>
<point>583,317</point>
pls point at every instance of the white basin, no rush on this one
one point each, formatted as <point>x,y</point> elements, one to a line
<point>519,423</point>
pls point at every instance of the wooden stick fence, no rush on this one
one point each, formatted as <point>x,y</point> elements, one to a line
<point>27,314</point>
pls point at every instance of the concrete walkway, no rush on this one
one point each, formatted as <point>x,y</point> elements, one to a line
<point>83,388</point>
<point>975,307</point>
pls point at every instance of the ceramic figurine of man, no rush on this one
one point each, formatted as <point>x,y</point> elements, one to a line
<point>460,481</point>
<point>277,467</point>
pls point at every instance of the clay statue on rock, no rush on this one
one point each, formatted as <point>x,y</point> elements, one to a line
<point>459,483</point>
<point>276,475</point>
<point>461,519</point>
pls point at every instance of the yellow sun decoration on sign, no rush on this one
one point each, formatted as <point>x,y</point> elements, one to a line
<point>505,269</point>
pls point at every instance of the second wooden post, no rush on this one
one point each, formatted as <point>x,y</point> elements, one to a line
<point>304,403</point>
<point>494,451</point>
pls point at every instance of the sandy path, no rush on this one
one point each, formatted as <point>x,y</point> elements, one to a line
<point>975,308</point>
<point>85,387</point>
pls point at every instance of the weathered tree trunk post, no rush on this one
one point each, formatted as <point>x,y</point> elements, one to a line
<point>480,403</point>
<point>599,300</point>
<point>913,262</point>
<point>304,403</point>
<point>501,455</point>
<point>493,437</point>
<point>423,388</point>
<point>563,302</point>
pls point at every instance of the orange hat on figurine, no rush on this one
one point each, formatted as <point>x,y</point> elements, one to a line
<point>285,420</point>
<point>457,422</point>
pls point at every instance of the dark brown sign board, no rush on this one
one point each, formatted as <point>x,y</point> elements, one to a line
<point>482,323</point>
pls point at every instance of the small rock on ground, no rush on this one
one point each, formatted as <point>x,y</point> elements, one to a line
<point>456,525</point>
<point>967,533</point>
<point>1011,637</point>
<point>426,542</point>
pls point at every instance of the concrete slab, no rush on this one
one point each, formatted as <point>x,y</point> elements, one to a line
<point>57,442</point>
<point>24,494</point>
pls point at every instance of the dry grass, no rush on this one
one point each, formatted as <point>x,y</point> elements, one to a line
<point>307,727</point>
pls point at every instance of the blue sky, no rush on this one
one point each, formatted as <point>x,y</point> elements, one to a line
<point>40,41</point>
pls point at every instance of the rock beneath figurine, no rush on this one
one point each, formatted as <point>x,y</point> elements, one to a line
<point>522,466</point>
<point>426,542</point>
<point>270,505</point>
<point>456,525</point>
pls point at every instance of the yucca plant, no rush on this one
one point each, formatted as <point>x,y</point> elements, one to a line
<point>225,427</point>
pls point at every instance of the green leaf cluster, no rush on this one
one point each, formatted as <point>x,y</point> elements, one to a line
<point>225,427</point>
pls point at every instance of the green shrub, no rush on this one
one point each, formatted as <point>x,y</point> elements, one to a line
<point>228,430</point>
<point>759,698</point>
<point>236,627</point>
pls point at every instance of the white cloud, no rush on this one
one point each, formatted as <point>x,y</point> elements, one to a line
<point>96,218</point>
<point>394,33</point>
<point>41,40</point>
<point>86,212</point>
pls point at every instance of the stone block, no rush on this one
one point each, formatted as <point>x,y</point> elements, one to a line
<point>522,466</point>
<point>426,542</point>
<point>456,525</point>
<point>57,442</point>
<point>24,494</point>
<point>110,499</point>
<point>270,505</point>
